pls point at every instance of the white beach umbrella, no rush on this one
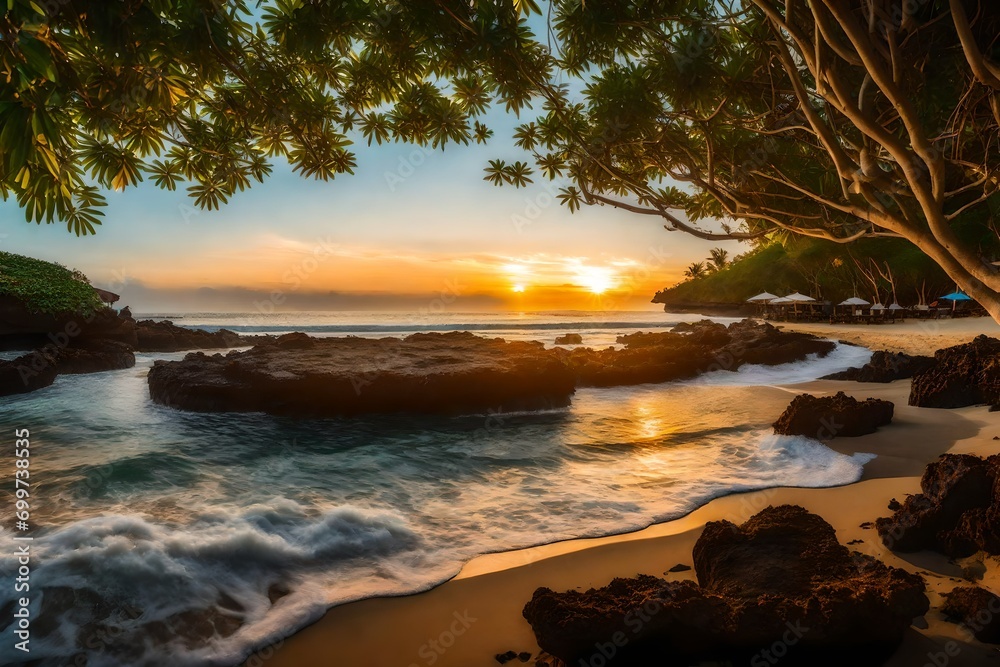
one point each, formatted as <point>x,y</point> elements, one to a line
<point>763,296</point>
<point>878,306</point>
<point>854,301</point>
<point>799,298</point>
<point>781,299</point>
<point>896,306</point>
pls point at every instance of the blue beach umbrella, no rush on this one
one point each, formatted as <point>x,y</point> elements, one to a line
<point>955,297</point>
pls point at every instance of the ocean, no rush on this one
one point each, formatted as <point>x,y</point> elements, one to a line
<point>173,538</point>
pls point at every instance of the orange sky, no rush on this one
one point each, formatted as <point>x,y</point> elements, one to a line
<point>523,282</point>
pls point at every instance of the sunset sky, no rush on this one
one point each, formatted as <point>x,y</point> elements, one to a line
<point>409,226</point>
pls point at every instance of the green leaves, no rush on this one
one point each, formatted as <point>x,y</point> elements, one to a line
<point>516,174</point>
<point>200,99</point>
<point>45,287</point>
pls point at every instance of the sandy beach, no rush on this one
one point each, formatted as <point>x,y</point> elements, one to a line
<point>909,336</point>
<point>468,620</point>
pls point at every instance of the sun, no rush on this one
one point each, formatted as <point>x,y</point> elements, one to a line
<point>597,280</point>
<point>517,288</point>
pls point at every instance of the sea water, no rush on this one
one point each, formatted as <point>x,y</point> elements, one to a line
<point>147,514</point>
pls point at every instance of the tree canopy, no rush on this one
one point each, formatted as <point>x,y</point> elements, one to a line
<point>102,94</point>
<point>835,119</point>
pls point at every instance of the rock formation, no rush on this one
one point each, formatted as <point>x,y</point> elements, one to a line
<point>165,336</point>
<point>570,339</point>
<point>689,351</point>
<point>424,373</point>
<point>827,417</point>
<point>962,375</point>
<point>977,610</point>
<point>780,586</point>
<point>885,367</point>
<point>957,513</point>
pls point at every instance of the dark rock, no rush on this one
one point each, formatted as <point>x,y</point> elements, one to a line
<point>957,513</point>
<point>25,374</point>
<point>504,658</point>
<point>524,656</point>
<point>706,332</point>
<point>425,373</point>
<point>828,417</point>
<point>680,567</point>
<point>781,571</point>
<point>756,342</point>
<point>854,542</point>
<point>39,368</point>
<point>885,367</point>
<point>570,339</point>
<point>35,330</point>
<point>165,336</point>
<point>701,348</point>
<point>94,357</point>
<point>977,609</point>
<point>962,375</point>
<point>895,505</point>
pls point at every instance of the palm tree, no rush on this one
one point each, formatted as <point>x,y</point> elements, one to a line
<point>719,259</point>
<point>696,270</point>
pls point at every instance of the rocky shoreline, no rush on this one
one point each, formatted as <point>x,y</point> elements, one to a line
<point>104,340</point>
<point>457,372</point>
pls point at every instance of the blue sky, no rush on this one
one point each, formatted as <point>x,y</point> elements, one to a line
<point>411,221</point>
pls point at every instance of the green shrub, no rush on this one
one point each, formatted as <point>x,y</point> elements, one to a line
<point>45,287</point>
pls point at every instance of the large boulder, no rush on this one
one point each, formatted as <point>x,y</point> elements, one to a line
<point>885,367</point>
<point>25,374</point>
<point>957,512</point>
<point>828,417</point>
<point>977,610</point>
<point>962,375</point>
<point>424,373</point>
<point>778,586</point>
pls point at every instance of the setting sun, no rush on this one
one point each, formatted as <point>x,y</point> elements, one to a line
<point>597,280</point>
<point>518,288</point>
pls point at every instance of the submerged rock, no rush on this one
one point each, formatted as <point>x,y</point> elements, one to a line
<point>828,417</point>
<point>424,373</point>
<point>962,375</point>
<point>957,513</point>
<point>885,367</point>
<point>780,585</point>
<point>569,339</point>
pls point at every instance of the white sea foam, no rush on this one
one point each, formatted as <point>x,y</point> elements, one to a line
<point>814,367</point>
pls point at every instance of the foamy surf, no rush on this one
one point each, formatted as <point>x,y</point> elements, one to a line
<point>172,538</point>
<point>841,358</point>
<point>212,590</point>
